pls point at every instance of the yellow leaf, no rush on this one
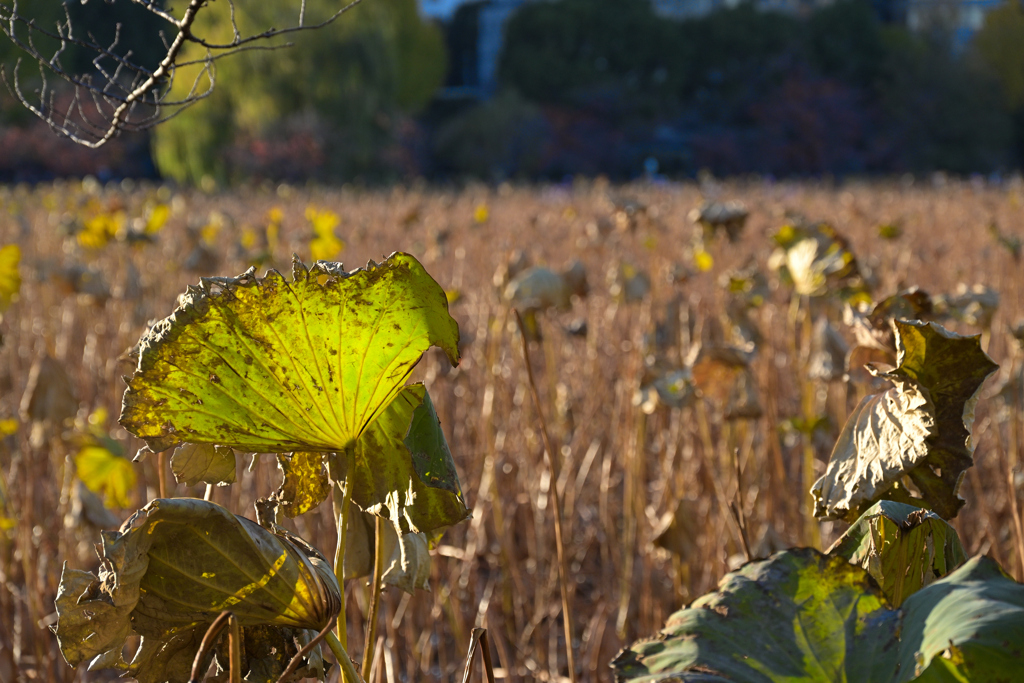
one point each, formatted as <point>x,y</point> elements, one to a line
<point>158,216</point>
<point>100,229</point>
<point>8,426</point>
<point>323,222</point>
<point>6,523</point>
<point>10,279</point>
<point>325,248</point>
<point>275,215</point>
<point>481,213</point>
<point>703,260</point>
<point>107,474</point>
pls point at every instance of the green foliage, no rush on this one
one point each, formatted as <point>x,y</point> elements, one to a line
<point>339,86</point>
<point>810,617</point>
<point>572,50</point>
<point>1000,44</point>
<point>496,139</point>
<point>800,615</point>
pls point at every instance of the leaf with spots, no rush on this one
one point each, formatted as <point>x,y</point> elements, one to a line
<point>798,616</point>
<point>401,467</point>
<point>193,463</point>
<point>313,364</point>
<point>305,483</point>
<point>271,365</point>
<point>173,568</point>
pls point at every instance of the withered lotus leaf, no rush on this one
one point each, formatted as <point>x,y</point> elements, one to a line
<point>173,568</point>
<point>921,428</point>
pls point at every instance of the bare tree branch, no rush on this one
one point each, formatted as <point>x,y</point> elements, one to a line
<point>120,93</point>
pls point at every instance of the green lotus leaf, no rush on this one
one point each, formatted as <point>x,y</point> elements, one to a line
<point>799,615</point>
<point>402,469</point>
<point>174,567</point>
<point>904,548</point>
<point>193,463</point>
<point>968,626</point>
<point>272,366</point>
<point>921,428</point>
<point>305,484</point>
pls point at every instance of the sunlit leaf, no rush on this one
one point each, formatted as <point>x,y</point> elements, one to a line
<point>703,260</point>
<point>402,468</point>
<point>8,426</point>
<point>920,428</point>
<point>272,366</point>
<point>193,463</point>
<point>904,548</point>
<point>157,218</point>
<point>817,261</point>
<point>173,568</point>
<point>305,483</point>
<point>10,278</point>
<point>799,616</point>
<point>107,474</point>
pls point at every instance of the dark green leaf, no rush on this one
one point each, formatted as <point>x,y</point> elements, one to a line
<point>402,468</point>
<point>968,626</point>
<point>799,615</point>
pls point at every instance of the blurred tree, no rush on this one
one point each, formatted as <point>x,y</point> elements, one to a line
<point>593,52</point>
<point>335,94</point>
<point>1000,44</point>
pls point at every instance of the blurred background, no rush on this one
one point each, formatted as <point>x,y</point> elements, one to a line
<point>548,89</point>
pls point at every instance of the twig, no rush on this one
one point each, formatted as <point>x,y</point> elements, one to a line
<point>563,568</point>
<point>478,641</point>
<point>212,634</point>
<point>293,665</point>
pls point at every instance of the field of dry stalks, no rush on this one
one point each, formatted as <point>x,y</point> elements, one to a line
<point>632,472</point>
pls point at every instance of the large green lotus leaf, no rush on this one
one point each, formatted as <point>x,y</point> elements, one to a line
<point>798,616</point>
<point>192,463</point>
<point>272,366</point>
<point>174,567</point>
<point>904,548</point>
<point>921,428</point>
<point>968,626</point>
<point>402,468</point>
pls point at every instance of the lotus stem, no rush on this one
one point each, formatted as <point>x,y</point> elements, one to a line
<point>378,571</point>
<point>348,669</point>
<point>552,458</point>
<point>339,556</point>
<point>234,649</point>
